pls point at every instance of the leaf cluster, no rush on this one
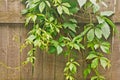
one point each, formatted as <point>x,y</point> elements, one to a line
<point>55,31</point>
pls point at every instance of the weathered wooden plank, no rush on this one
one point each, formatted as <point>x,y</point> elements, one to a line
<point>3,5</point>
<point>10,17</point>
<point>116,17</point>
<point>26,70</point>
<point>48,66</point>
<point>38,68</point>
<point>115,56</point>
<point>80,59</point>
<point>59,67</point>
<point>13,55</point>
<point>10,11</point>
<point>3,51</point>
<point>13,6</point>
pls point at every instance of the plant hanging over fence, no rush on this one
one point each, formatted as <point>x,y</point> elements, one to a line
<point>55,29</point>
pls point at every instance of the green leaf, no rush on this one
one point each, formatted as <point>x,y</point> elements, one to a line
<point>48,3</point>
<point>93,2</point>
<point>96,8</point>
<point>105,30</point>
<point>74,10</point>
<point>81,46</point>
<point>90,35</point>
<point>37,43</point>
<point>41,6</point>
<point>73,20</point>
<point>86,72</point>
<point>111,24</point>
<point>66,10</point>
<point>52,49</point>
<point>73,68</point>
<point>81,2</point>
<point>87,5</point>
<point>98,33</point>
<point>103,62</point>
<point>94,77</point>
<point>107,13</point>
<point>82,34</point>
<point>34,17</point>
<point>94,63</point>
<point>76,63</point>
<point>59,49</point>
<point>105,49</point>
<point>31,37</point>
<point>66,4</point>
<point>100,20</point>
<point>96,46</point>
<point>60,10</point>
<point>91,56</point>
<point>24,11</point>
<point>70,25</point>
<point>76,46</point>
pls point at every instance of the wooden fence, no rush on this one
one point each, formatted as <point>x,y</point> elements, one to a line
<point>47,67</point>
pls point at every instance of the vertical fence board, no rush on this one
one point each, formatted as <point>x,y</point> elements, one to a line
<point>26,70</point>
<point>117,11</point>
<point>13,55</point>
<point>59,67</point>
<point>116,56</point>
<point>38,68</point>
<point>3,51</point>
<point>48,66</point>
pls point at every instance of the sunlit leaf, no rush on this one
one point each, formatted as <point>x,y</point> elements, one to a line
<point>91,56</point>
<point>60,10</point>
<point>42,6</point>
<point>103,62</point>
<point>94,63</point>
<point>90,35</point>
<point>81,2</point>
<point>107,13</point>
<point>98,33</point>
<point>105,30</point>
<point>59,49</point>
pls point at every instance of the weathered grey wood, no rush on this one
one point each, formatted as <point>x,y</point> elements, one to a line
<point>3,51</point>
<point>48,66</point>
<point>26,70</point>
<point>59,67</point>
<point>116,56</point>
<point>116,17</point>
<point>13,52</point>
<point>38,68</point>
<point>10,11</point>
<point>3,5</point>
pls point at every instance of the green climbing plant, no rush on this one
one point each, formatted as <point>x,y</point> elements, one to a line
<point>55,29</point>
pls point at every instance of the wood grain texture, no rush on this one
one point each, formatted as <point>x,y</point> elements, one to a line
<point>38,68</point>
<point>3,51</point>
<point>10,11</point>
<point>13,55</point>
<point>116,17</point>
<point>48,66</point>
<point>26,70</point>
<point>3,5</point>
<point>116,56</point>
<point>59,67</point>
